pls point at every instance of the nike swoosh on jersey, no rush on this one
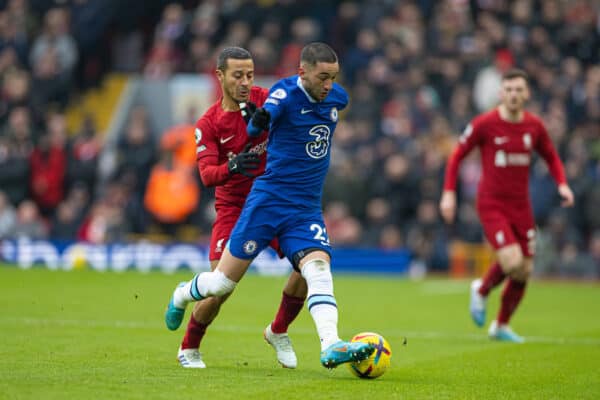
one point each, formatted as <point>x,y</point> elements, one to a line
<point>225,140</point>
<point>305,111</point>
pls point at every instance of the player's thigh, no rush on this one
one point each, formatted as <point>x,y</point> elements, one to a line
<point>233,267</point>
<point>496,227</point>
<point>221,229</point>
<point>302,236</point>
<point>523,225</point>
<point>253,231</point>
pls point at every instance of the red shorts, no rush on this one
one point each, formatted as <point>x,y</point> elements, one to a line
<point>221,229</point>
<point>507,222</point>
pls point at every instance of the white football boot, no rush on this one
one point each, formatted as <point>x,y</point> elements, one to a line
<point>190,358</point>
<point>283,347</point>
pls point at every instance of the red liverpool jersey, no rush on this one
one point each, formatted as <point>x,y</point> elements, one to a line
<point>219,136</point>
<point>506,152</point>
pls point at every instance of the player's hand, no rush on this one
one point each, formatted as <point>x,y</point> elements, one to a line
<point>448,206</point>
<point>247,109</point>
<point>568,199</point>
<point>261,119</point>
<point>244,161</point>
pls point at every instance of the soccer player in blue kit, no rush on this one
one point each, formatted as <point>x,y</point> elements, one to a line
<point>301,113</point>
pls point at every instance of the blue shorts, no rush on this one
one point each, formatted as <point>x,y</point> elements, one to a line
<point>260,222</point>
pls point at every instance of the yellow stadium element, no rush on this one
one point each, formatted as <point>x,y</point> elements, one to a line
<point>100,103</point>
<point>469,259</point>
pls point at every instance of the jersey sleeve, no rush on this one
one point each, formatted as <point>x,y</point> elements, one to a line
<point>207,155</point>
<point>275,105</point>
<point>546,149</point>
<point>470,138</point>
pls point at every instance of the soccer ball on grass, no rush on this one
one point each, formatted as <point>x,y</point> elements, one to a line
<point>378,362</point>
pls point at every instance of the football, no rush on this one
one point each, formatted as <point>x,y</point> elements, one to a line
<point>378,362</point>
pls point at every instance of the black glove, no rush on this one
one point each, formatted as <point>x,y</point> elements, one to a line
<point>245,160</point>
<point>248,109</point>
<point>261,119</point>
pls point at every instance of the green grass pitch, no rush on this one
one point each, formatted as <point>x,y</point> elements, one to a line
<point>90,335</point>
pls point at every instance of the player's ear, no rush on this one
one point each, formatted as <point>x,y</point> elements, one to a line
<point>220,75</point>
<point>301,71</point>
<point>527,93</point>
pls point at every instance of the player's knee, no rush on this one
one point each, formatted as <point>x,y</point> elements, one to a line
<point>217,284</point>
<point>523,273</point>
<point>512,261</point>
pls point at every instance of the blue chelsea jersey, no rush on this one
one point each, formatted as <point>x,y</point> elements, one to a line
<point>299,147</point>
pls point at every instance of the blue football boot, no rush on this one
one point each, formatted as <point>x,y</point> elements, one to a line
<point>503,333</point>
<point>477,304</point>
<point>342,352</point>
<point>174,315</point>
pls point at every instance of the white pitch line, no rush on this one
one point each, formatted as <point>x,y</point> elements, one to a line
<point>410,335</point>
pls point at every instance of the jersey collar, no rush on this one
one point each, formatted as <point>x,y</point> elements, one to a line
<point>308,96</point>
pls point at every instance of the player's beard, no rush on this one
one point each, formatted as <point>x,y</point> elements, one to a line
<point>236,96</point>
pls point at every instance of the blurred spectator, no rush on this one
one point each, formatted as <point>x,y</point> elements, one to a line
<point>65,223</point>
<point>83,155</point>
<point>8,217</point>
<point>49,166</point>
<point>172,193</point>
<point>106,221</point>
<point>136,150</point>
<point>29,222</point>
<point>16,146</point>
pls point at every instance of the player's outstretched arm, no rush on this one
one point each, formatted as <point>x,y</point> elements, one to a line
<point>568,199</point>
<point>259,122</point>
<point>448,205</point>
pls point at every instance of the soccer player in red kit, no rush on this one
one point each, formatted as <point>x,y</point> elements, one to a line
<point>229,160</point>
<point>506,137</point>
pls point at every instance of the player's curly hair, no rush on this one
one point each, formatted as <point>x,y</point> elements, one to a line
<point>237,53</point>
<point>316,52</point>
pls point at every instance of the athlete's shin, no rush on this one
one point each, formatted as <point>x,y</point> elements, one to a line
<point>511,298</point>
<point>321,302</point>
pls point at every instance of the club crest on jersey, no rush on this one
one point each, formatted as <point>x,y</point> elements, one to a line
<point>318,147</point>
<point>527,140</point>
<point>279,94</point>
<point>334,114</point>
<point>250,247</point>
<point>198,135</point>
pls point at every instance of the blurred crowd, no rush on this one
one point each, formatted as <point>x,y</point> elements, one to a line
<point>417,72</point>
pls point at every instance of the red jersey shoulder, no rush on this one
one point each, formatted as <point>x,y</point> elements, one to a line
<point>533,119</point>
<point>258,95</point>
<point>206,123</point>
<point>486,119</point>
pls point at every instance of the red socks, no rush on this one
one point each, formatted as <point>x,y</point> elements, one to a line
<point>289,309</point>
<point>193,335</point>
<point>511,297</point>
<point>493,278</point>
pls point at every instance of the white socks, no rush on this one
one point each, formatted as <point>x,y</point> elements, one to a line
<point>203,285</point>
<point>320,300</point>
